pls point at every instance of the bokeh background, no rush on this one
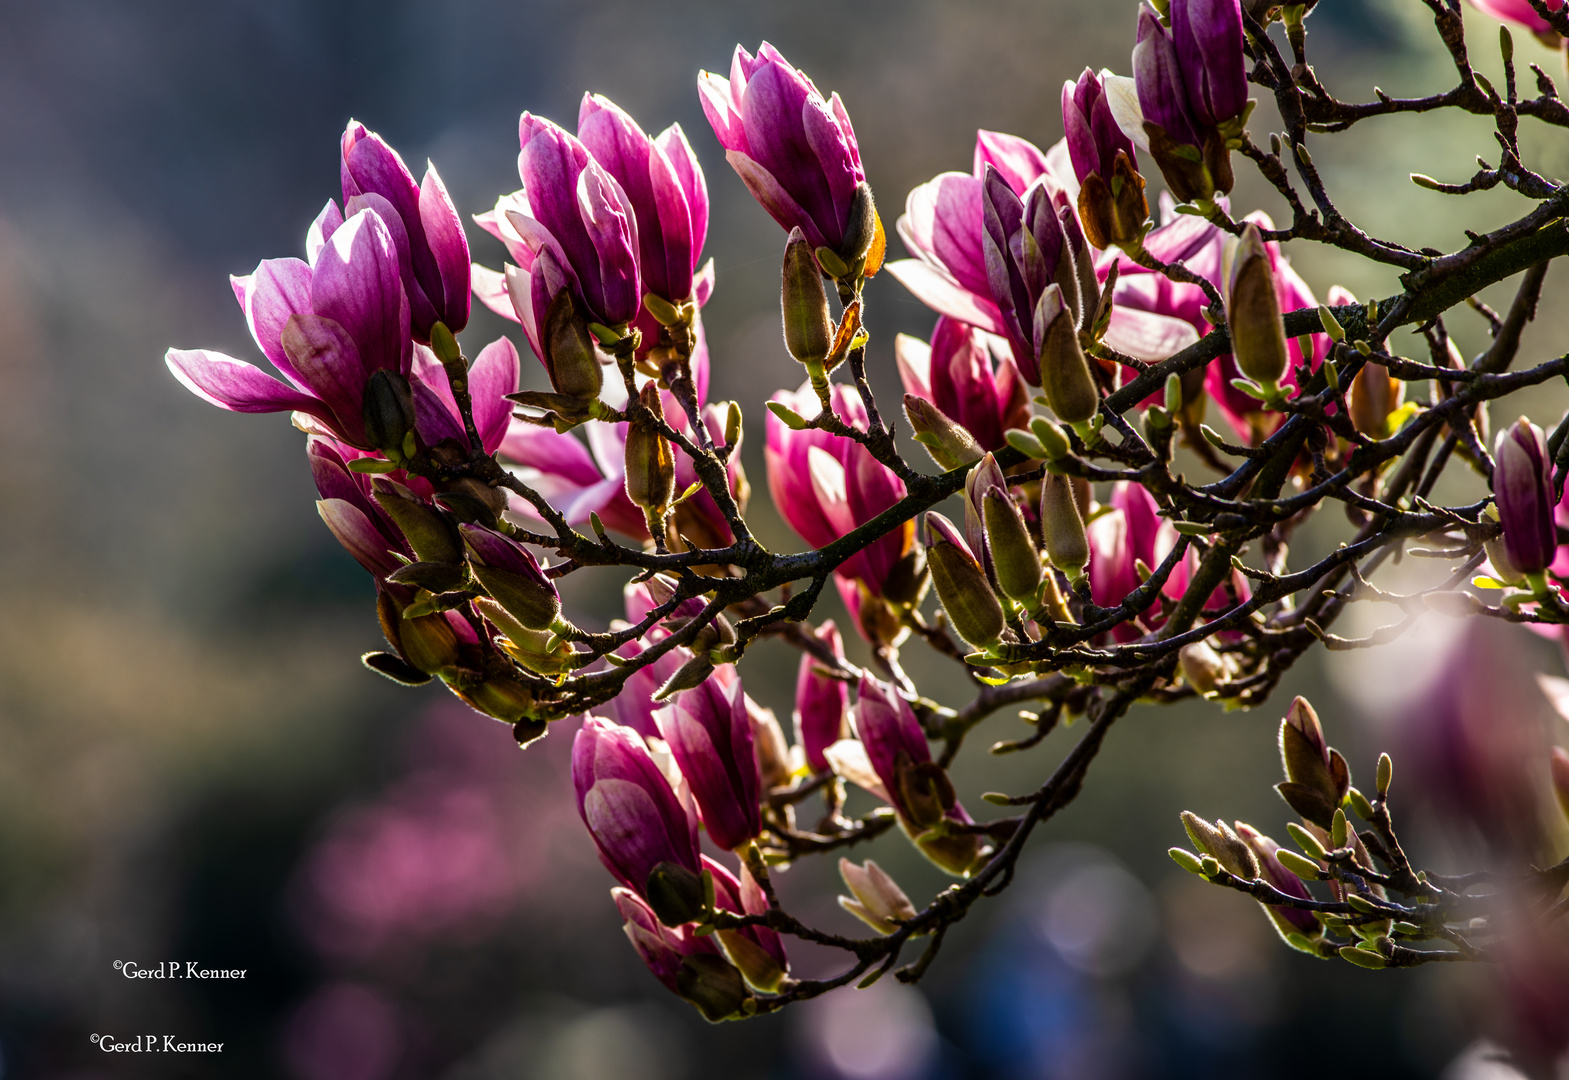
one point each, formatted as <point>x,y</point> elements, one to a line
<point>194,766</point>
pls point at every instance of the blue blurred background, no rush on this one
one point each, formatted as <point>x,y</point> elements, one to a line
<point>194,767</point>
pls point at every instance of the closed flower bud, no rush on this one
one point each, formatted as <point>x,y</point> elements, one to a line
<point>1287,920</point>
<point>1014,558</point>
<point>646,835</point>
<point>714,985</point>
<point>1226,846</point>
<point>710,736</point>
<point>1498,555</point>
<point>388,409</point>
<point>822,703</point>
<point>502,697</point>
<point>1317,778</point>
<point>908,580</point>
<point>1202,667</point>
<point>878,900</point>
<point>961,584</point>
<point>1258,336</point>
<point>861,226</point>
<point>426,642</point>
<point>1062,526</point>
<point>1523,491</point>
<point>1375,394</point>
<point>808,330</point>
<point>512,576</point>
<point>949,445</point>
<point>531,648</point>
<point>1065,373</point>
<point>650,463</point>
<point>688,965</point>
<point>768,741</point>
<point>756,951</point>
<point>428,532</point>
<point>570,357</point>
<point>898,755</point>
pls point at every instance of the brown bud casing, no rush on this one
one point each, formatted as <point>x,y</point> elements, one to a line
<point>1114,210</point>
<point>650,463</point>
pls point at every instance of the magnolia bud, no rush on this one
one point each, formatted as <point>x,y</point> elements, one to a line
<point>1114,209</point>
<point>1229,849</point>
<point>962,587</point>
<point>1258,336</point>
<point>1014,558</point>
<point>949,445</point>
<point>768,744</point>
<point>531,648</point>
<point>907,582</point>
<point>388,411</point>
<point>675,893</point>
<point>1523,492</point>
<point>1316,776</point>
<point>861,227</point>
<point>1062,526</point>
<point>428,532</point>
<point>878,899</point>
<point>502,697</point>
<point>570,357</point>
<point>1202,667</point>
<point>1375,394</point>
<point>513,578</point>
<point>650,464</point>
<point>808,331</point>
<point>1065,373</point>
<point>427,642</point>
<point>712,984</point>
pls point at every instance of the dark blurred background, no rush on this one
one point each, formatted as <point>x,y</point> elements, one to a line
<point>194,766</point>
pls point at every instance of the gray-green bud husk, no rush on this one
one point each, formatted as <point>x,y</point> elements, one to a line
<point>1258,336</point>
<point>808,330</point>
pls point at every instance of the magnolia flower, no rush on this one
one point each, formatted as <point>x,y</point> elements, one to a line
<point>433,252</point>
<point>326,326</point>
<point>826,485</point>
<point>795,152</point>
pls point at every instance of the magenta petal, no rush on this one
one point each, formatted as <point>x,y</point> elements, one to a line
<point>422,312</point>
<point>772,196</point>
<point>276,289</point>
<point>611,227</point>
<point>326,357</point>
<point>714,93</point>
<point>235,385</point>
<point>358,535</point>
<point>357,283</point>
<point>321,230</point>
<point>449,248</point>
<point>493,375</point>
<point>944,296</point>
<point>1019,161</point>
<point>840,171</point>
<point>673,220</point>
<point>689,173</point>
<point>552,453</point>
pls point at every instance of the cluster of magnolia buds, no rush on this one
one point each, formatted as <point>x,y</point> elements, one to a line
<point>1361,922</point>
<point>667,758</point>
